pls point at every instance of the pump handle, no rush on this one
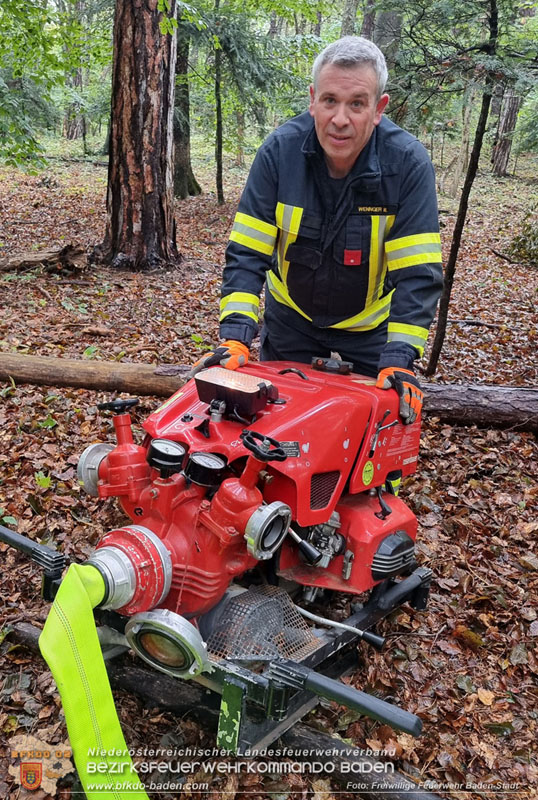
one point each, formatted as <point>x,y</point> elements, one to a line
<point>297,676</point>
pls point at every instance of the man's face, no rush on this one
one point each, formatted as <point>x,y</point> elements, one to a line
<point>345,111</point>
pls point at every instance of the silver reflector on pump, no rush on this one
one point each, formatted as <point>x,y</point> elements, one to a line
<point>242,393</point>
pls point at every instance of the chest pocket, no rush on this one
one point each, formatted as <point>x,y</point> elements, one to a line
<point>302,262</point>
<point>351,262</point>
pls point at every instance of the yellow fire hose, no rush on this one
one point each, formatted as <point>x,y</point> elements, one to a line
<point>70,646</point>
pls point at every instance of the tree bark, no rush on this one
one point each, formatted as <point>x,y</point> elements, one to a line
<point>468,404</point>
<point>505,132</point>
<point>349,18</point>
<point>493,21</point>
<point>218,113</point>
<point>69,257</point>
<point>368,21</point>
<point>185,184</point>
<point>101,375</point>
<point>387,34</point>
<point>462,160</point>
<point>187,697</point>
<point>140,228</point>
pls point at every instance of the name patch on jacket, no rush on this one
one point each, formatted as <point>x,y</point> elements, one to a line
<point>377,209</point>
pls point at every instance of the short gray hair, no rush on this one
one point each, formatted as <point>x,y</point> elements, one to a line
<point>352,51</point>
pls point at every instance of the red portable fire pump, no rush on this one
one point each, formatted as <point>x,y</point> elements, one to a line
<point>255,493</point>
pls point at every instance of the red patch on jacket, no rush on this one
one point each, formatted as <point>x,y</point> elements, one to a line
<point>352,258</point>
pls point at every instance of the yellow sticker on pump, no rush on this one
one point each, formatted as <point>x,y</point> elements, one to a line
<point>368,473</point>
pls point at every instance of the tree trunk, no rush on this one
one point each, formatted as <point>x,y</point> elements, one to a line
<point>349,18</point>
<point>462,160</point>
<point>74,120</point>
<point>490,406</point>
<point>387,34</point>
<point>505,131</point>
<point>140,228</point>
<point>368,20</point>
<point>218,112</point>
<point>185,183</point>
<point>493,21</point>
<point>240,146</point>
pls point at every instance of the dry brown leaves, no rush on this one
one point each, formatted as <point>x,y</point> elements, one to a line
<point>467,665</point>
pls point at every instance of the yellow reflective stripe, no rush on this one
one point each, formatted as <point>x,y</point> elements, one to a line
<point>254,233</point>
<point>411,241</point>
<point>281,295</point>
<point>288,218</point>
<point>412,261</point>
<point>240,303</point>
<point>252,243</point>
<point>410,334</point>
<point>378,262</point>
<point>370,318</point>
<point>256,224</point>
<point>408,251</point>
<point>375,266</point>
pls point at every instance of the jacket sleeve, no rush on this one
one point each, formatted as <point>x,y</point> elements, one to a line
<point>413,253</point>
<point>250,251</point>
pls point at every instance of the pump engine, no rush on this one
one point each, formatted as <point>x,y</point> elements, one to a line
<point>253,494</point>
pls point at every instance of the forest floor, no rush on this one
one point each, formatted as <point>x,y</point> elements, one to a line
<point>468,665</point>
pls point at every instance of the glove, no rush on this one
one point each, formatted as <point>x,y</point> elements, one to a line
<point>230,354</point>
<point>408,388</point>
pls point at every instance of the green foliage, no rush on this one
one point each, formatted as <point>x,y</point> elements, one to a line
<point>525,244</point>
<point>7,519</point>
<point>42,480</point>
<point>42,45</point>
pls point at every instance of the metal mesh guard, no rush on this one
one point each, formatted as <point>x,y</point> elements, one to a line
<point>322,487</point>
<point>261,624</point>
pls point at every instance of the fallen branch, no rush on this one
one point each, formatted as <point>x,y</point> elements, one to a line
<point>184,698</point>
<point>466,404</point>
<point>502,255</point>
<point>474,322</point>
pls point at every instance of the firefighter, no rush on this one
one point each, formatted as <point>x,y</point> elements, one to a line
<point>339,220</point>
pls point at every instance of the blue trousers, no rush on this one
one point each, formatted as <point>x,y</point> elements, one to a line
<point>287,336</point>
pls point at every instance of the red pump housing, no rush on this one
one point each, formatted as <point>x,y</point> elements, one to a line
<point>320,466</point>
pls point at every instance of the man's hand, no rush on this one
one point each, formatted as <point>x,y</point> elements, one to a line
<point>408,388</point>
<point>230,354</point>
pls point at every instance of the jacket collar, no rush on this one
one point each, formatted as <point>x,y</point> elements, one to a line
<point>366,171</point>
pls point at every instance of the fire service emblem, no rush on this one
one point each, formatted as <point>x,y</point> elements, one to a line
<point>31,774</point>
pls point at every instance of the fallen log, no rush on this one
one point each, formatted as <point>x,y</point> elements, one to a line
<point>108,376</point>
<point>466,404</point>
<point>346,765</point>
<point>513,407</point>
<point>69,257</point>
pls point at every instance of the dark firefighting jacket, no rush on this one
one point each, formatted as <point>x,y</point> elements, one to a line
<point>373,257</point>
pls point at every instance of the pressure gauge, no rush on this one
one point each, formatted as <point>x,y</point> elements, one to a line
<point>205,469</point>
<point>166,456</point>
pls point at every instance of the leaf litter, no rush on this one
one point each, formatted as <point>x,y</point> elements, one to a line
<point>467,665</point>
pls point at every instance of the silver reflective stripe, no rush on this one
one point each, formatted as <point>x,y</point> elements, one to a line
<point>380,256</point>
<point>408,338</point>
<point>247,230</point>
<point>235,305</point>
<point>376,316</point>
<point>412,250</point>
